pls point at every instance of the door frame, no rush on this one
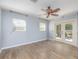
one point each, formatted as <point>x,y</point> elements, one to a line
<point>63,29</point>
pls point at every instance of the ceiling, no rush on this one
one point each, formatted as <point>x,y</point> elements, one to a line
<point>34,7</point>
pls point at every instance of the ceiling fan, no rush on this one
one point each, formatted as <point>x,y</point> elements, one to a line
<point>49,11</point>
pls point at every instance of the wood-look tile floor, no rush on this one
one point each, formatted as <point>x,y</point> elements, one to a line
<point>41,50</point>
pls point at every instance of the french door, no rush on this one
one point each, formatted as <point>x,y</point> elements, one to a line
<point>58,31</point>
<point>64,31</point>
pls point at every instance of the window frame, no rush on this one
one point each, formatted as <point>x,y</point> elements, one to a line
<point>42,26</point>
<point>18,24</point>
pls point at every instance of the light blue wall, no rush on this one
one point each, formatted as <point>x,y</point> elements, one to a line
<point>0,30</point>
<point>11,38</point>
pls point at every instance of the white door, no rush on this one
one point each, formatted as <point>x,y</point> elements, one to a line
<point>64,31</point>
<point>68,31</point>
<point>58,31</point>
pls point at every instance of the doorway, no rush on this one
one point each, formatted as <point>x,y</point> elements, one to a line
<point>64,31</point>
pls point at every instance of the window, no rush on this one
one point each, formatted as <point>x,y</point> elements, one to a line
<point>68,27</point>
<point>19,25</point>
<point>42,26</point>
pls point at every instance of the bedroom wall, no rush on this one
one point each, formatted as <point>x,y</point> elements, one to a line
<point>32,34</point>
<point>0,31</point>
<point>0,28</point>
<point>72,17</point>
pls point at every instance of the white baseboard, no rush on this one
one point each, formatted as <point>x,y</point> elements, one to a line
<point>21,44</point>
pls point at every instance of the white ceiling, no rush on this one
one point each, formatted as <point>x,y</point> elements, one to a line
<point>34,8</point>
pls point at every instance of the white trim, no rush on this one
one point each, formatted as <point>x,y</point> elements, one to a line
<point>21,44</point>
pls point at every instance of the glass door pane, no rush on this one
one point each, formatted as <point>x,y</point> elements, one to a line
<point>68,32</point>
<point>58,31</point>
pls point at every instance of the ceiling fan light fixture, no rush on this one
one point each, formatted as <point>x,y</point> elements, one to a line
<point>51,11</point>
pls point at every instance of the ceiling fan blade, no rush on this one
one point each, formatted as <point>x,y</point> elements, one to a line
<point>55,14</point>
<point>55,10</point>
